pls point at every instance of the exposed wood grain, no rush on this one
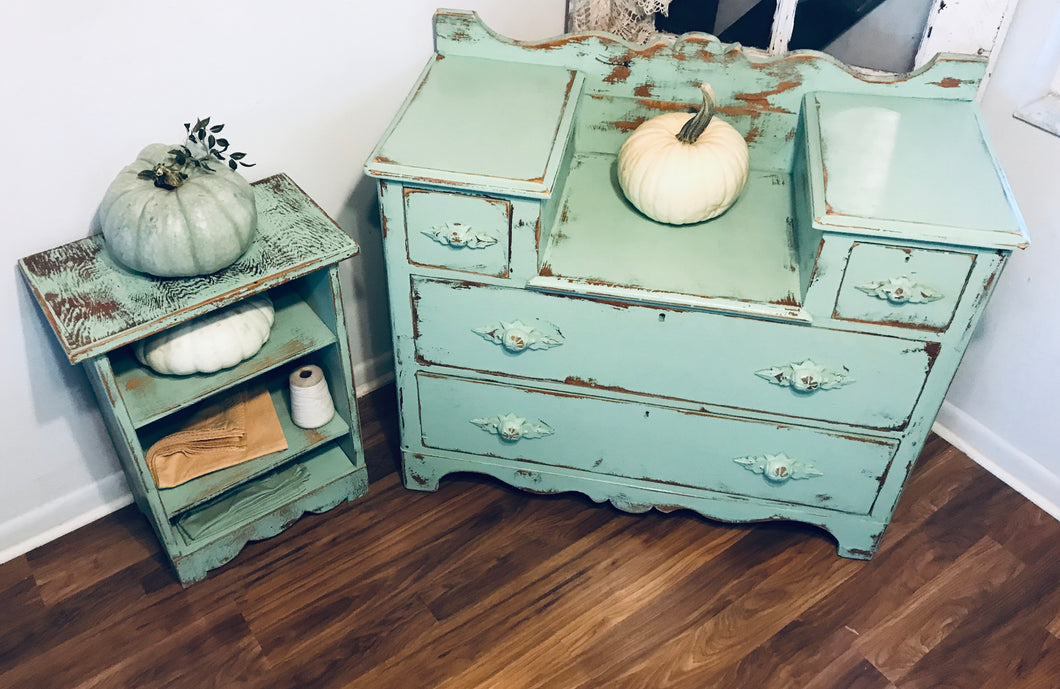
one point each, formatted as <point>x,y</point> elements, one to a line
<point>481,585</point>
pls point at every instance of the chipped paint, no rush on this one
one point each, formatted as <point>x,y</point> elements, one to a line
<point>760,101</point>
<point>951,83</point>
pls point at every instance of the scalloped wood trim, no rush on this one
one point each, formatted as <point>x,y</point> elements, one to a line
<point>460,32</point>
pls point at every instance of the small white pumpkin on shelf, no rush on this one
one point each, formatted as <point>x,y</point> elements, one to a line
<point>211,342</point>
<point>680,170</point>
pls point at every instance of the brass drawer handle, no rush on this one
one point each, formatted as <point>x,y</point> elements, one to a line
<point>512,428</point>
<point>778,468</point>
<point>901,290</point>
<point>460,236</point>
<point>517,336</point>
<point>806,376</point>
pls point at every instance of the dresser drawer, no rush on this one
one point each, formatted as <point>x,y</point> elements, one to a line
<point>458,231</point>
<point>793,464</point>
<point>793,370</point>
<point>893,285</point>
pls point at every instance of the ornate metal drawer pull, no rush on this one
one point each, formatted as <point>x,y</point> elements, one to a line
<point>511,427</point>
<point>517,336</point>
<point>460,236</point>
<point>900,290</point>
<point>778,468</point>
<point>806,376</point>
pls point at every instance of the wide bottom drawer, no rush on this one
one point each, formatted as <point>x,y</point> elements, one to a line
<point>766,460</point>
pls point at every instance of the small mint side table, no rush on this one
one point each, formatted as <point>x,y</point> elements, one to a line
<point>783,361</point>
<point>98,308</point>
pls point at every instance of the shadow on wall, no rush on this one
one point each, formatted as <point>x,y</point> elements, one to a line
<point>59,389</point>
<point>367,300</point>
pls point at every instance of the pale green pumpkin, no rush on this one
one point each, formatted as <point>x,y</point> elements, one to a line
<point>198,228</point>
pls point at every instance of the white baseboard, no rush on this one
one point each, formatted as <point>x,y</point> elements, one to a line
<point>89,503</point>
<point>373,374</point>
<point>63,515</point>
<point>1016,468</point>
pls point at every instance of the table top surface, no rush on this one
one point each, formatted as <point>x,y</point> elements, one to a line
<point>486,124</point>
<point>916,168</point>
<point>93,304</point>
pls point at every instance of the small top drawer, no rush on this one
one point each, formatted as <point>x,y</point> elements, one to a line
<point>458,231</point>
<point>900,286</point>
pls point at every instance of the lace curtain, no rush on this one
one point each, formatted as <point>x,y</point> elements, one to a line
<point>633,20</point>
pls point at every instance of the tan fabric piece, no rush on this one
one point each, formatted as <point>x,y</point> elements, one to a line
<point>238,428</point>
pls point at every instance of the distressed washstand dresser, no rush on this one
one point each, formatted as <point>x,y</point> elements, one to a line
<point>783,361</point>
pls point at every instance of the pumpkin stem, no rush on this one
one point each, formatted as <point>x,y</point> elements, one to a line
<point>698,123</point>
<point>167,177</point>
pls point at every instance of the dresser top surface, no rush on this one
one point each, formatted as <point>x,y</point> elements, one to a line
<point>917,168</point>
<point>94,304</point>
<point>745,255</point>
<point>482,124</point>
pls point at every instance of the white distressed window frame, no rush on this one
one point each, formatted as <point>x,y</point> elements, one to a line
<point>974,27</point>
<point>1044,112</point>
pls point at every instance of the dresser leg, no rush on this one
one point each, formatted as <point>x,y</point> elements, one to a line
<point>858,541</point>
<point>416,474</point>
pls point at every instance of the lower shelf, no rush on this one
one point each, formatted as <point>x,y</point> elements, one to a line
<point>214,533</point>
<point>186,496</point>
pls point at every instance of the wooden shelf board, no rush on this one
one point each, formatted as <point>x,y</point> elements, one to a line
<point>266,495</point>
<point>151,396</point>
<point>181,498</point>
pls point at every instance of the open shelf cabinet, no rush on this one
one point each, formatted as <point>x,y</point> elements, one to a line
<point>205,522</point>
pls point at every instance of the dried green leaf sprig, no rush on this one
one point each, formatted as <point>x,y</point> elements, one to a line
<point>201,147</point>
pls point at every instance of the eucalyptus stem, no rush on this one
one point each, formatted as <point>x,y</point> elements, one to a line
<point>699,122</point>
<point>173,172</point>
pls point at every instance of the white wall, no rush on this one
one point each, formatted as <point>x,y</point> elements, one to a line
<point>1004,405</point>
<point>305,88</point>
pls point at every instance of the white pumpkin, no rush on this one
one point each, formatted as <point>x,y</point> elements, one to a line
<point>680,170</point>
<point>211,342</point>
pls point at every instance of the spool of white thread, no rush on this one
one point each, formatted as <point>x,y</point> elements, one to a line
<point>311,403</point>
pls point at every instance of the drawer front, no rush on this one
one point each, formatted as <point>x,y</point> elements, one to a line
<point>798,371</point>
<point>792,464</point>
<point>457,231</point>
<point>891,285</point>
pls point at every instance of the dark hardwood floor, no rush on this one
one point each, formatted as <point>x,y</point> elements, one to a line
<point>479,585</point>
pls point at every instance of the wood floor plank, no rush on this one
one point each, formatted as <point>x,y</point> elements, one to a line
<point>76,561</point>
<point>896,644</point>
<point>1016,613</point>
<point>116,600</point>
<point>224,653</point>
<point>567,631</point>
<point>1054,627</point>
<point>481,585</point>
<point>823,633</point>
<point>1043,670</point>
<point>518,602</point>
<point>801,576</point>
<point>863,676</point>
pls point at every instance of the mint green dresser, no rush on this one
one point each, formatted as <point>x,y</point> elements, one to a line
<point>98,309</point>
<point>783,361</point>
